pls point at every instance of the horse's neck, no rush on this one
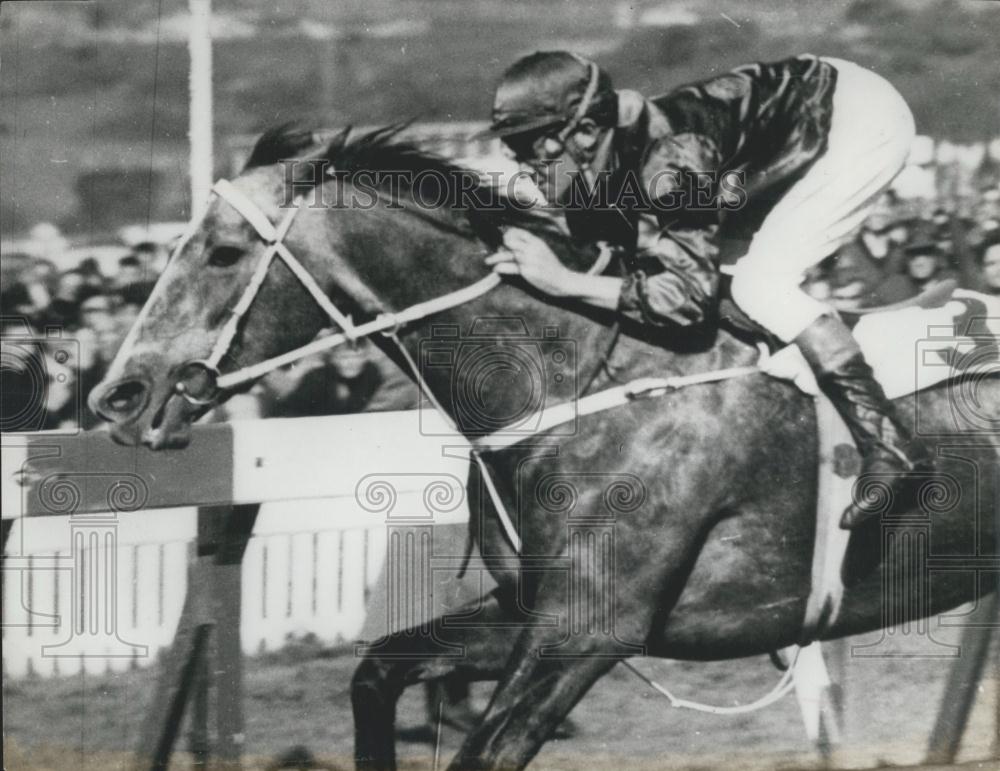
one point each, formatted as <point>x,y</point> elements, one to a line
<point>517,326</point>
<point>434,263</point>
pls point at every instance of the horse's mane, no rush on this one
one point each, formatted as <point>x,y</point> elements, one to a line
<point>394,165</point>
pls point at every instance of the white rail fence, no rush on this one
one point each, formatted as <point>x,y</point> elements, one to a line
<point>294,584</point>
<point>302,574</point>
<point>104,592</point>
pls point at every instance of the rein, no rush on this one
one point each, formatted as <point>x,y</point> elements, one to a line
<point>200,381</point>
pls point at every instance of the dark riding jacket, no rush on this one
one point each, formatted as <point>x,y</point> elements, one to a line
<point>690,158</point>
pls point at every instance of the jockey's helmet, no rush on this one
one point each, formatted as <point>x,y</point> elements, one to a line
<point>549,91</point>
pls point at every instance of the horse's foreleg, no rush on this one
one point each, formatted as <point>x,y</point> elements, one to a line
<point>533,703</point>
<point>600,617</point>
<point>555,663</point>
<point>375,689</point>
<point>476,649</point>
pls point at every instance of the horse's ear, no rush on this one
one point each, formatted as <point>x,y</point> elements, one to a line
<point>278,144</point>
<point>337,143</point>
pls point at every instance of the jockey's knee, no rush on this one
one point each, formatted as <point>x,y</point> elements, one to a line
<point>752,290</point>
<point>774,301</point>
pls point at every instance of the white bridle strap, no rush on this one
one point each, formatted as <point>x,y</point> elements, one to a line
<point>236,198</point>
<point>274,238</point>
<point>384,323</point>
<point>306,279</point>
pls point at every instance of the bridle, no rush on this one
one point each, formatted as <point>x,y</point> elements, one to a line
<point>200,381</point>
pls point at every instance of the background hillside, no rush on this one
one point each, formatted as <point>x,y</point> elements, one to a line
<point>85,86</point>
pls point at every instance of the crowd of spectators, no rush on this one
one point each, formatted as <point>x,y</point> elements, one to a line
<point>62,327</point>
<point>903,249</point>
<point>42,308</point>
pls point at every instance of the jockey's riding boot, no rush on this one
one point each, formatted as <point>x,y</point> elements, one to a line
<point>888,449</point>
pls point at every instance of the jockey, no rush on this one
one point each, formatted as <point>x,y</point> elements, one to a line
<point>800,149</point>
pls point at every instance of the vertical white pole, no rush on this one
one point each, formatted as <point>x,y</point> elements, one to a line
<point>200,118</point>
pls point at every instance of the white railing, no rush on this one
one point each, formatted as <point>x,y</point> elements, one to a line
<point>295,583</point>
<point>98,592</point>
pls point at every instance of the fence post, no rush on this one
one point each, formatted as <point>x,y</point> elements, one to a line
<point>227,592</point>
<point>198,657</point>
<point>200,107</point>
<point>963,683</point>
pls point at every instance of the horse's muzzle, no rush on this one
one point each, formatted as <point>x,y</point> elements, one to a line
<point>121,401</point>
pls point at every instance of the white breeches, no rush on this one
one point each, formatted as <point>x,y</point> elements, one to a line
<point>871,133</point>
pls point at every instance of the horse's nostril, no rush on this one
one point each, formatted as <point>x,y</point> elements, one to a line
<point>123,399</point>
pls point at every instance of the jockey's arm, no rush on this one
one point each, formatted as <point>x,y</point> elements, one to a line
<point>673,278</point>
<point>598,291</point>
<point>674,281</point>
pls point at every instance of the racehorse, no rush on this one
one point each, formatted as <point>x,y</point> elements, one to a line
<point>679,526</point>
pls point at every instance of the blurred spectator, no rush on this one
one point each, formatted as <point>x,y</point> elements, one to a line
<point>925,265</point>
<point>47,241</point>
<point>853,273</point>
<point>989,265</point>
<point>28,292</point>
<point>152,257</point>
<point>43,275</point>
<point>129,271</point>
<point>339,382</point>
<point>134,281</point>
<point>92,275</point>
<point>984,217</point>
<point>64,309</point>
<point>13,266</point>
<point>15,301</point>
<point>98,315</point>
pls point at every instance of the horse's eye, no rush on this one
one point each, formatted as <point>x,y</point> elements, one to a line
<point>224,256</point>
